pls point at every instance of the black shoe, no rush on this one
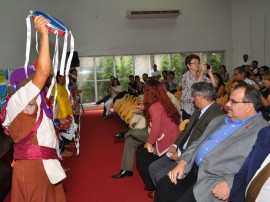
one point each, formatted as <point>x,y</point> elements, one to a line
<point>123,173</point>
<point>120,135</point>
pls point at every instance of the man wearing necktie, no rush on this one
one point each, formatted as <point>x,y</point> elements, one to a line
<point>252,182</point>
<point>206,169</point>
<point>206,110</point>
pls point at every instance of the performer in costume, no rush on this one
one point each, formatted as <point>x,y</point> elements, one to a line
<point>64,114</point>
<point>37,172</point>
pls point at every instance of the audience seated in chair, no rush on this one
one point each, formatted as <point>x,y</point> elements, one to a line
<point>172,82</point>
<point>134,137</point>
<point>163,127</point>
<point>250,173</point>
<point>206,169</point>
<point>107,97</point>
<point>206,110</point>
<point>224,73</point>
<point>223,100</point>
<point>132,86</point>
<point>220,88</point>
<point>145,77</point>
<point>240,73</point>
<point>140,85</point>
<point>115,88</point>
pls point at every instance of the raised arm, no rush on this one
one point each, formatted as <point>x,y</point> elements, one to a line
<point>43,67</point>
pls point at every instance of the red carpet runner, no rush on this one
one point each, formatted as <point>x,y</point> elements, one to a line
<point>89,178</point>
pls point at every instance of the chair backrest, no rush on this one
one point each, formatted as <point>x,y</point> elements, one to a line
<point>183,124</point>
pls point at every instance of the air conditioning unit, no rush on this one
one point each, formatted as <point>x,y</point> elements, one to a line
<point>135,14</point>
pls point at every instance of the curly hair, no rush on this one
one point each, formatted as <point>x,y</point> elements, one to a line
<point>155,92</point>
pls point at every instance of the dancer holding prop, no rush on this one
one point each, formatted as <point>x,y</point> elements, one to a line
<point>37,173</point>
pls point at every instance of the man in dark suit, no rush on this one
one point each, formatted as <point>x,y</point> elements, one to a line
<point>258,159</point>
<point>207,109</point>
<point>206,169</point>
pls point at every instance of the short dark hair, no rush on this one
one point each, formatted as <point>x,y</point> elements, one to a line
<point>266,68</point>
<point>144,74</point>
<point>189,58</point>
<point>131,76</point>
<point>224,67</point>
<point>251,95</point>
<point>255,61</point>
<point>72,70</point>
<point>58,75</point>
<point>206,89</point>
<point>165,71</point>
<point>171,72</point>
<point>241,70</point>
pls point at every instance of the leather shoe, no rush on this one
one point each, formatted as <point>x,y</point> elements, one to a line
<point>151,194</point>
<point>123,173</point>
<point>120,135</point>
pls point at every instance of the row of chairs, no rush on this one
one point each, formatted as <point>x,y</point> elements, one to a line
<point>125,107</point>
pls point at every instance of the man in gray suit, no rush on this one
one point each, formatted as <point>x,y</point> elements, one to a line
<point>206,169</point>
<point>207,109</point>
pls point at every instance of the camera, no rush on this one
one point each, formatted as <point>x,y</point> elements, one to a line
<point>208,66</point>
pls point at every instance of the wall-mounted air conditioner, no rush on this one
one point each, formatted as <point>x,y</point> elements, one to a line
<point>134,14</point>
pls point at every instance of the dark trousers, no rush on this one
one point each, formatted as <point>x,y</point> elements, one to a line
<point>5,173</point>
<point>104,99</point>
<point>185,115</point>
<point>144,159</point>
<point>181,192</point>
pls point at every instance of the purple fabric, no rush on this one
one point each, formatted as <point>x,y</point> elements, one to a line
<point>44,106</point>
<point>18,75</point>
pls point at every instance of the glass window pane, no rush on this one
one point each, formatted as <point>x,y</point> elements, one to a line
<point>124,68</point>
<point>142,64</point>
<point>162,61</point>
<point>102,88</point>
<point>104,67</point>
<point>178,66</point>
<point>216,59</point>
<point>88,93</point>
<point>85,79</point>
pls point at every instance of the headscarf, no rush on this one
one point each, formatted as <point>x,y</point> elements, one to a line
<point>18,76</point>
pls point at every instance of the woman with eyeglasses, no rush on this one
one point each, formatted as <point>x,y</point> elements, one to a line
<point>195,73</point>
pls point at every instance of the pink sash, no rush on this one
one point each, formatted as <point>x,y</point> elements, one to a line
<point>23,151</point>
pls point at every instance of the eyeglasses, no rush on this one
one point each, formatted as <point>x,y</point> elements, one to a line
<point>236,102</point>
<point>195,63</point>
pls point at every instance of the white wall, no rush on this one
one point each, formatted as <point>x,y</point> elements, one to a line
<point>251,30</point>
<point>13,27</point>
<point>101,28</point>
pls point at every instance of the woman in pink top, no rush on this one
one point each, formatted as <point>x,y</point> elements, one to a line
<point>163,120</point>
